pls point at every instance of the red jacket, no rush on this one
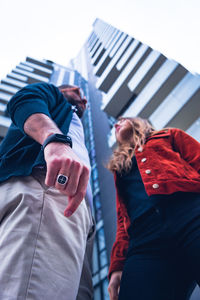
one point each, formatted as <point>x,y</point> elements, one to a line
<point>168,162</point>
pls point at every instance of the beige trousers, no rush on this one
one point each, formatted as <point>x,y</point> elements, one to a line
<point>41,251</point>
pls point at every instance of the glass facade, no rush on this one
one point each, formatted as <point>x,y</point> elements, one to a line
<point>2,107</point>
<point>194,130</point>
<point>115,36</point>
<point>5,97</point>
<point>17,76</point>
<point>24,67</point>
<point>37,67</point>
<point>151,88</point>
<point>113,61</point>
<point>8,88</point>
<point>15,82</point>
<point>145,67</point>
<point>99,260</point>
<point>127,54</point>
<point>124,74</point>
<point>117,45</point>
<point>5,121</point>
<point>178,97</point>
<point>100,257</point>
<point>31,75</point>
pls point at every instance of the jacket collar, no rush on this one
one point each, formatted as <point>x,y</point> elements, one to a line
<point>160,134</point>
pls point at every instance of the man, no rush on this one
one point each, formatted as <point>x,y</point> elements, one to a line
<point>45,220</point>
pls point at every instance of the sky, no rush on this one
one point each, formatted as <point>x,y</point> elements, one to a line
<point>57,29</point>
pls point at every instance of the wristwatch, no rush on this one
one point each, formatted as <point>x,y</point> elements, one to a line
<point>59,138</point>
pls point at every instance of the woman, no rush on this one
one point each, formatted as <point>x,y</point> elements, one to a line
<point>157,177</point>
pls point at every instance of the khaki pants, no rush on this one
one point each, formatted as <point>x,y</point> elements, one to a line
<point>41,251</point>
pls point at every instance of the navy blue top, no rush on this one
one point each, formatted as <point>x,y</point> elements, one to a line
<point>132,190</point>
<point>19,153</point>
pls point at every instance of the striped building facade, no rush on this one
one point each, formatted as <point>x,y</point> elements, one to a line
<point>120,76</point>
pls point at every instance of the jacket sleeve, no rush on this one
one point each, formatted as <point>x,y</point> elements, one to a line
<point>188,147</point>
<point>34,98</point>
<point>120,246</point>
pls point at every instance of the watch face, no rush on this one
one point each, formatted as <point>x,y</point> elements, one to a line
<point>64,138</point>
<point>60,137</point>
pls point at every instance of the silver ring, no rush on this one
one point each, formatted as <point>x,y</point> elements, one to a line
<point>62,179</point>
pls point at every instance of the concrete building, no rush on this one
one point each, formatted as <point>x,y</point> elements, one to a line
<point>134,80</point>
<point>120,76</point>
<point>25,73</point>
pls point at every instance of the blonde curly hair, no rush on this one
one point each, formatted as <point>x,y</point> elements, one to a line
<point>121,160</point>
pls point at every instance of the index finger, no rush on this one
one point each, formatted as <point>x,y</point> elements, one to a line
<point>80,194</point>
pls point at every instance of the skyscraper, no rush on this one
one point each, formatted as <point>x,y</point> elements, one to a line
<point>134,80</point>
<point>120,76</point>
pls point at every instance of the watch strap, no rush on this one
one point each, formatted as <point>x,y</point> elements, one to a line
<point>58,138</point>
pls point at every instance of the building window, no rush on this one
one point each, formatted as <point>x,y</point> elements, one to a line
<point>103,258</point>
<point>101,239</point>
<point>95,263</point>
<point>98,215</point>
<point>105,289</point>
<point>97,293</point>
